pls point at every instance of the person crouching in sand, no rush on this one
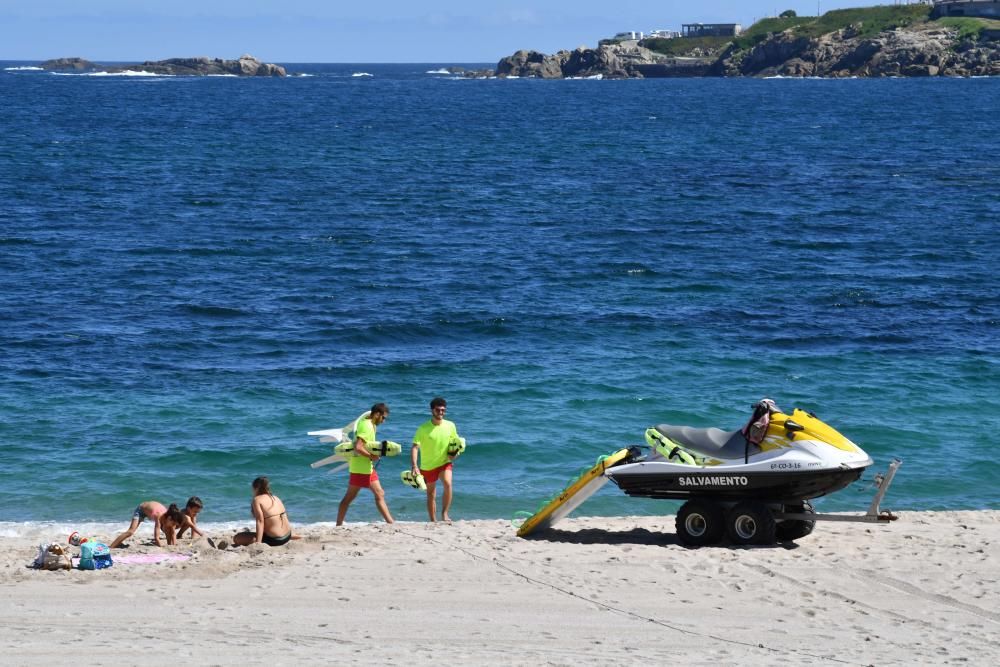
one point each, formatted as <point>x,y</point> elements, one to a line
<point>192,509</point>
<point>273,528</point>
<point>166,519</point>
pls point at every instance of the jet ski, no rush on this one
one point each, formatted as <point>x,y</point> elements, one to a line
<point>752,484</point>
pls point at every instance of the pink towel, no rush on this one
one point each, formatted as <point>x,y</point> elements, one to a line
<point>146,559</point>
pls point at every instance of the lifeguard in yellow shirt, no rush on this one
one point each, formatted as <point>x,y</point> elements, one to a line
<point>363,474</point>
<point>430,449</point>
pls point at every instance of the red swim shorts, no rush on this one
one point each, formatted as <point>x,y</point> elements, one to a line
<point>364,481</point>
<point>431,476</point>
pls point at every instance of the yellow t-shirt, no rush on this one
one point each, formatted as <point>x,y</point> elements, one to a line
<point>365,430</point>
<point>433,442</point>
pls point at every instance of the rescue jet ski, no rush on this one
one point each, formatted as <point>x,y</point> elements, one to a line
<point>753,483</point>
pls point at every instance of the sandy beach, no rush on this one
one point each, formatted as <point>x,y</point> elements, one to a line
<point>595,591</point>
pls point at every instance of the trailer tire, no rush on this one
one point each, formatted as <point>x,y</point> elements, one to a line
<point>699,523</point>
<point>793,529</point>
<point>750,522</point>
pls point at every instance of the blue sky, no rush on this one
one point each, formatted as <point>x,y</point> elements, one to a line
<point>430,31</point>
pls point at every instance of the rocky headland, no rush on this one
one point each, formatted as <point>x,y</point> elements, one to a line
<point>924,50</point>
<point>245,65</point>
<point>921,47</point>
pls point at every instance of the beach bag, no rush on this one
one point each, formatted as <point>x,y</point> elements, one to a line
<point>95,556</point>
<point>53,557</point>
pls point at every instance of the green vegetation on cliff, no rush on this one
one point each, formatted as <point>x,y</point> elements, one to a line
<point>969,28</point>
<point>686,46</point>
<point>865,21</point>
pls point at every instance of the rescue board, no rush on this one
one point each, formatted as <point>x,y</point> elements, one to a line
<point>572,496</point>
<point>383,448</point>
<point>344,449</point>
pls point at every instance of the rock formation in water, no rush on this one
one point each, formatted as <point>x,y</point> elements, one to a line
<point>611,61</point>
<point>245,65</point>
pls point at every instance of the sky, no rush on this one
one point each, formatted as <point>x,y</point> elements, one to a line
<point>335,31</point>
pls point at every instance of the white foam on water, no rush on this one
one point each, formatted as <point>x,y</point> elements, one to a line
<point>437,71</point>
<point>128,72</point>
<point>362,74</point>
<point>23,69</point>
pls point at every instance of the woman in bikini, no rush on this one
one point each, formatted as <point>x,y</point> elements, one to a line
<point>273,528</point>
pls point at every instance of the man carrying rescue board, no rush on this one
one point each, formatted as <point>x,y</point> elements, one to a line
<point>435,445</point>
<point>363,475</point>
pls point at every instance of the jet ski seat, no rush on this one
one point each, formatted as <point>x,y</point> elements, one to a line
<point>713,442</point>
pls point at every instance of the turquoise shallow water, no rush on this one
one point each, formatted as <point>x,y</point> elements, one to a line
<point>195,272</point>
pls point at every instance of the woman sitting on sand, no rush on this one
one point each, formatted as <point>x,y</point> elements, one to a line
<point>273,528</point>
<point>166,519</point>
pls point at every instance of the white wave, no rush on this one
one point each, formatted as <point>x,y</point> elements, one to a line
<point>801,78</point>
<point>225,76</point>
<point>362,74</point>
<point>300,74</point>
<point>437,71</point>
<point>128,72</point>
<point>592,77</point>
<point>125,73</point>
<point>23,69</point>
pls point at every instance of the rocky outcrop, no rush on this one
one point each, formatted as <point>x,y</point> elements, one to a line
<point>927,49</point>
<point>69,65</point>
<point>531,63</point>
<point>245,65</point>
<point>610,61</point>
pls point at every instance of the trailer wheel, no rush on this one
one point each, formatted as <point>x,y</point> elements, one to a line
<point>750,522</point>
<point>700,522</point>
<point>793,529</point>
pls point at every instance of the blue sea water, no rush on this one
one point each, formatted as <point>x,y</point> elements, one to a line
<point>196,271</point>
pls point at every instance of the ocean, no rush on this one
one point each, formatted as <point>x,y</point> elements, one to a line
<point>194,272</point>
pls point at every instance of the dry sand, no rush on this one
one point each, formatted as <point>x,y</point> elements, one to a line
<point>596,591</point>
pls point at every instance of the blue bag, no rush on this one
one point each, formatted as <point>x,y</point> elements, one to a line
<point>95,556</point>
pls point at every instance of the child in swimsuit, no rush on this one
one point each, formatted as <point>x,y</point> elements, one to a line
<point>149,509</point>
<point>191,510</point>
<point>175,519</point>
